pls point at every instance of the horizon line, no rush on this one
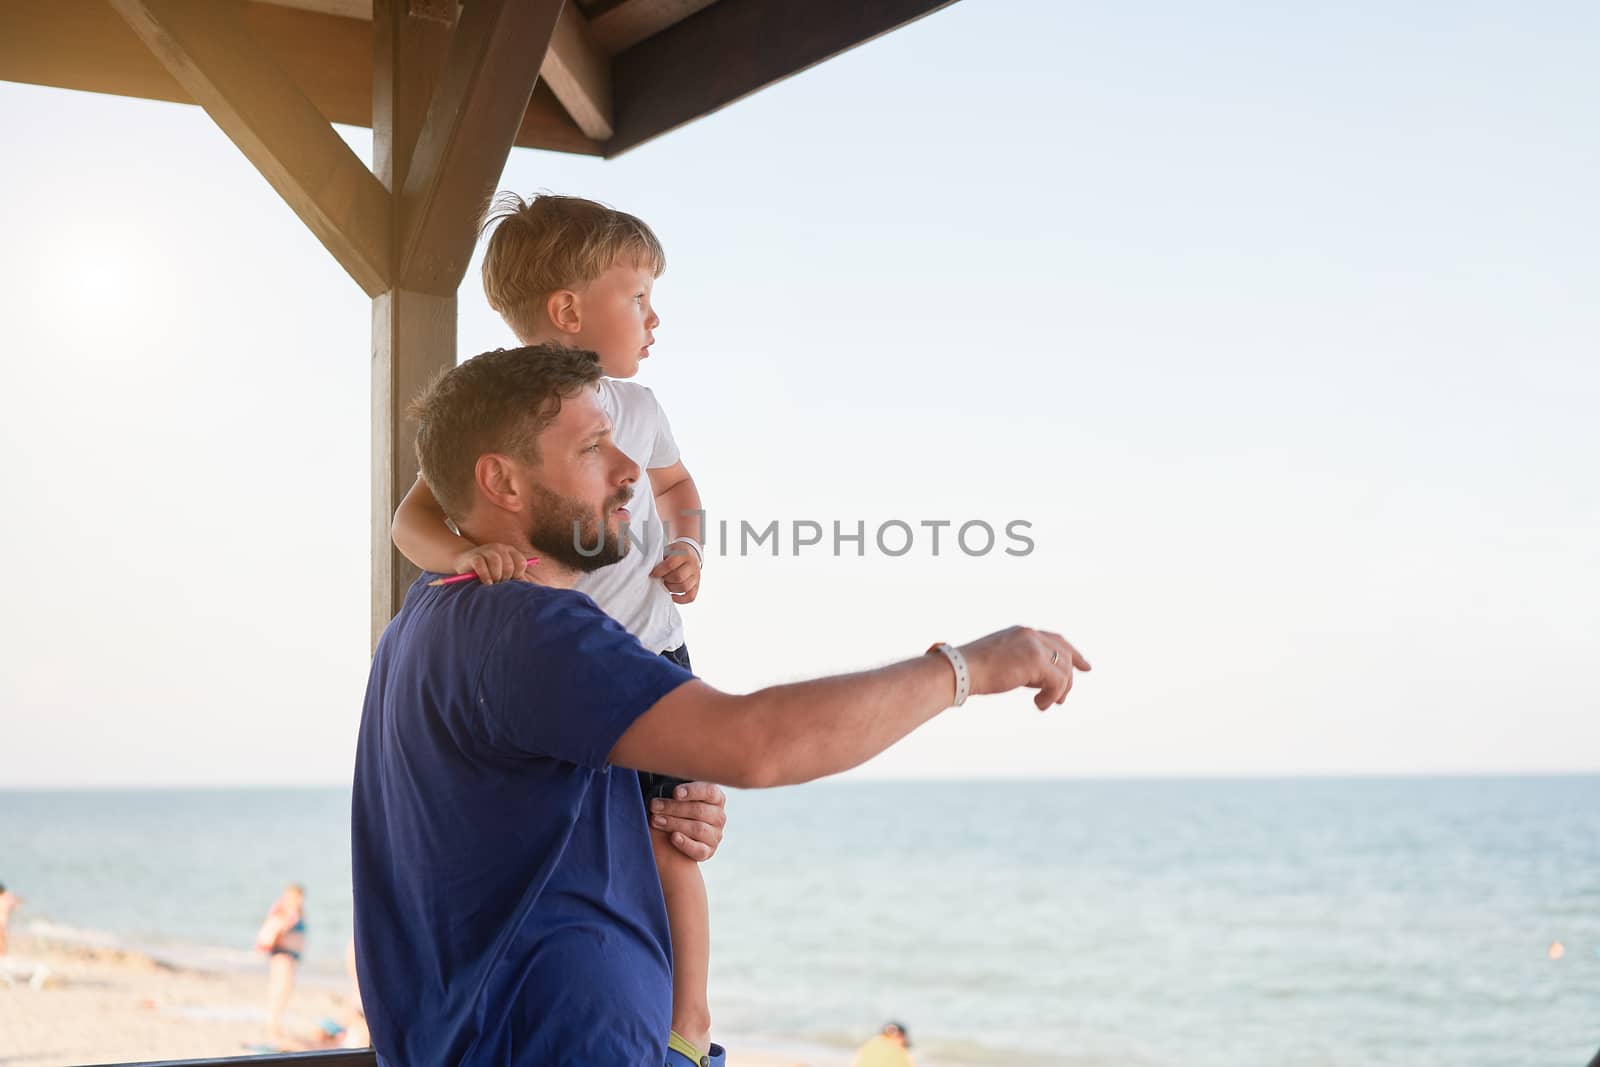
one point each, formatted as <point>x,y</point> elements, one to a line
<point>1223,776</point>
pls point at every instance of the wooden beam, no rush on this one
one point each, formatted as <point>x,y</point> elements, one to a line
<point>579,74</point>
<point>408,55</point>
<point>576,71</point>
<point>618,26</point>
<point>733,48</point>
<point>350,9</point>
<point>621,26</point>
<point>85,45</point>
<point>413,339</point>
<point>476,111</point>
<point>413,334</point>
<point>218,63</point>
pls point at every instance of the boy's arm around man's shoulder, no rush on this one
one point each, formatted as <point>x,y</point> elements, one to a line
<point>421,532</point>
<point>678,501</point>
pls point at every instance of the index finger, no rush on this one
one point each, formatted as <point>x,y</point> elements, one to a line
<point>1071,654</point>
<point>691,811</point>
<point>705,792</point>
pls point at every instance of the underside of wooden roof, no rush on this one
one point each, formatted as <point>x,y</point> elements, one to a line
<point>616,73</point>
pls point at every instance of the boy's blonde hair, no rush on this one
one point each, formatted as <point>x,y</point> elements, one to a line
<point>548,243</point>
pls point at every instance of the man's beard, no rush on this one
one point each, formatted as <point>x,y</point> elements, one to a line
<point>573,535</point>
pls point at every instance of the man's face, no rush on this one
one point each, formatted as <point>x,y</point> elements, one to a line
<point>618,323</point>
<point>580,487</point>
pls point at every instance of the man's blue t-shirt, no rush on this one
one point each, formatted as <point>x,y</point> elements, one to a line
<point>507,906</point>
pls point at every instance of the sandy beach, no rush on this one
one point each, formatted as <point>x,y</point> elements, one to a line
<point>66,1004</point>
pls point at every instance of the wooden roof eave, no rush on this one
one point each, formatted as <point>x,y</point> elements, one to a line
<point>718,54</point>
<point>734,48</point>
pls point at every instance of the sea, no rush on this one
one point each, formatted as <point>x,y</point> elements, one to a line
<point>1205,923</point>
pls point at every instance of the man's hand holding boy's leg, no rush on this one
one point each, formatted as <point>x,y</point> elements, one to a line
<point>693,819</point>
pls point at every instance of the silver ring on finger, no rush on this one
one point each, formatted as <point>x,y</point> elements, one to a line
<point>1055,656</point>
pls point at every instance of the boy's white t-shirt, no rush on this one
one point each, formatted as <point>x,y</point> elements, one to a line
<point>625,590</point>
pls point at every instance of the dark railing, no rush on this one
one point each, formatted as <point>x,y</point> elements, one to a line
<point>361,1057</point>
<point>356,1057</point>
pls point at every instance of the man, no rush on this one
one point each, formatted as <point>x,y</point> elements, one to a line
<point>888,1049</point>
<point>507,907</point>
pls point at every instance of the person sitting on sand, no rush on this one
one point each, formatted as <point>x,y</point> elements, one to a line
<point>507,908</point>
<point>283,938</point>
<point>9,902</point>
<point>888,1049</point>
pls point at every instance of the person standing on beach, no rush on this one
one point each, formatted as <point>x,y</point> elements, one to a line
<point>570,271</point>
<point>9,902</point>
<point>283,938</point>
<point>507,906</point>
<point>887,1049</point>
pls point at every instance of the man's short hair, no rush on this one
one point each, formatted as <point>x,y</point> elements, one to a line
<point>549,243</point>
<point>497,402</point>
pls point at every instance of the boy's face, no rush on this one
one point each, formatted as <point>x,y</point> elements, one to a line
<point>616,320</point>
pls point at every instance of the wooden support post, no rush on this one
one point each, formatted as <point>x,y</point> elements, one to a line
<point>413,334</point>
<point>413,339</point>
<point>446,108</point>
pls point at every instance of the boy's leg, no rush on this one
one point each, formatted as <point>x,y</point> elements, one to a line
<point>689,917</point>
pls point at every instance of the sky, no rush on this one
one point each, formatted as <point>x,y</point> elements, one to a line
<point>1278,327</point>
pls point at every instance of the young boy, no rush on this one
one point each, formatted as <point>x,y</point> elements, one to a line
<point>578,273</point>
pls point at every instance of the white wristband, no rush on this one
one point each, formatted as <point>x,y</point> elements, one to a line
<point>959,662</point>
<point>694,546</point>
